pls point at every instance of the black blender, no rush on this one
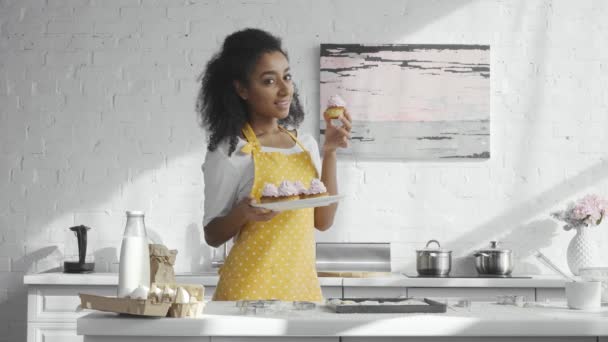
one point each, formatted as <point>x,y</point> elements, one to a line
<point>79,266</point>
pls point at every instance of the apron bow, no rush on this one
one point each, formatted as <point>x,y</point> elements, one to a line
<point>249,147</point>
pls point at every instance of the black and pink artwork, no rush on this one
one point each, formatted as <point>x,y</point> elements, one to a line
<point>411,102</point>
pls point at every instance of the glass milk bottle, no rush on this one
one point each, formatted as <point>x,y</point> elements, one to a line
<point>134,269</point>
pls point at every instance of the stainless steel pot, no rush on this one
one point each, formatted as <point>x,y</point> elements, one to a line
<point>433,262</point>
<point>494,260</point>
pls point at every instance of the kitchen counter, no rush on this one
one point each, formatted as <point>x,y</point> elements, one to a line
<point>53,296</point>
<point>98,278</point>
<point>396,280</point>
<point>404,281</point>
<point>482,319</point>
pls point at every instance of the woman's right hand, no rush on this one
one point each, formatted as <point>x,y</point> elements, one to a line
<point>250,213</point>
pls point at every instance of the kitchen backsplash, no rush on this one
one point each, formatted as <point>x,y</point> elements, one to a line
<point>98,117</point>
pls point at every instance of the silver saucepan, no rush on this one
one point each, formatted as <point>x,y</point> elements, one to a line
<point>494,261</point>
<point>433,262</point>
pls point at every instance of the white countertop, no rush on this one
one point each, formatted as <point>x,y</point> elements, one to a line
<point>483,319</point>
<point>403,281</point>
<point>99,278</point>
<point>396,280</point>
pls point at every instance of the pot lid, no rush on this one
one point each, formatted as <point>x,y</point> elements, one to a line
<point>494,248</point>
<point>430,249</point>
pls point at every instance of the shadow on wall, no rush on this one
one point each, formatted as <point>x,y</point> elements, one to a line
<point>524,238</point>
<point>106,259</point>
<point>522,241</point>
<point>35,261</point>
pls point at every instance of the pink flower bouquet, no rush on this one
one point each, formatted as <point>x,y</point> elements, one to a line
<point>587,211</point>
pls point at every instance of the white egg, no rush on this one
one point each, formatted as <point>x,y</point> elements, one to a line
<point>141,292</point>
<point>182,297</point>
<point>158,293</point>
<point>169,292</point>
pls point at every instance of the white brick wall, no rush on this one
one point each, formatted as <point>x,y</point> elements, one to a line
<point>96,117</point>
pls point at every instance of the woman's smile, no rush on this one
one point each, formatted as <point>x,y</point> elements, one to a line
<point>283,104</point>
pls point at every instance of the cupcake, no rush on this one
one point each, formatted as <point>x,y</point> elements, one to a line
<point>288,191</point>
<point>270,193</point>
<point>300,188</point>
<point>335,107</point>
<point>316,189</point>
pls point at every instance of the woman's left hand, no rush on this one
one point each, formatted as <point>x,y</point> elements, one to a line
<point>337,136</point>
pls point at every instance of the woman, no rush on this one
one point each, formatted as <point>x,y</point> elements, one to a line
<point>246,102</point>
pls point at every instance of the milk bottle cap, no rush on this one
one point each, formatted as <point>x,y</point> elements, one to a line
<point>135,224</point>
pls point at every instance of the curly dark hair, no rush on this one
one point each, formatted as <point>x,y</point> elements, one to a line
<point>221,111</point>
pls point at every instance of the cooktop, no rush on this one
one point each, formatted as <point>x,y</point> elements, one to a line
<point>470,276</point>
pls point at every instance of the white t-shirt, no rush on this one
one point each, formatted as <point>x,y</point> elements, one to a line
<point>228,179</point>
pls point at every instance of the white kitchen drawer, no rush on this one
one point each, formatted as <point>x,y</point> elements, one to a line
<point>209,339</point>
<point>469,339</point>
<point>477,293</point>
<point>374,292</point>
<point>275,339</point>
<point>145,339</point>
<point>550,294</point>
<point>52,332</point>
<point>58,303</point>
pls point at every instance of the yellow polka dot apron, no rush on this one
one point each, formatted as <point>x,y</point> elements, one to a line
<point>273,259</point>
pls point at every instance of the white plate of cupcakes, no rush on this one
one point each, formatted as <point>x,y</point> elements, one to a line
<point>294,195</point>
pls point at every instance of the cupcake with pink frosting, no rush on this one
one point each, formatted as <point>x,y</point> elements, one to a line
<point>335,107</point>
<point>316,189</point>
<point>286,191</point>
<point>270,193</point>
<point>301,189</point>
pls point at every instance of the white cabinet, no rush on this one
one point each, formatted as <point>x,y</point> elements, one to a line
<point>209,339</point>
<point>52,332</point>
<point>469,339</point>
<point>275,339</point>
<point>52,314</point>
<point>58,303</point>
<point>145,339</point>
<point>475,293</point>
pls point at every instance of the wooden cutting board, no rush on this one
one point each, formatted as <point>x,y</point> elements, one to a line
<point>353,274</point>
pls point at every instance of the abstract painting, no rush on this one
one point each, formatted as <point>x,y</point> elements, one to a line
<point>411,102</point>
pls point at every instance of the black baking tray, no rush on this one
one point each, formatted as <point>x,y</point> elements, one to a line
<point>430,306</point>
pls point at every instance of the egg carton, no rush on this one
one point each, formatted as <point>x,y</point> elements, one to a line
<point>137,307</point>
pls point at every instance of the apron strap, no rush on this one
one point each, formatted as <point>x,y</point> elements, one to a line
<point>252,141</point>
<point>249,134</point>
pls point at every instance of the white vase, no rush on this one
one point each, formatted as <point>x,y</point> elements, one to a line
<point>583,249</point>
